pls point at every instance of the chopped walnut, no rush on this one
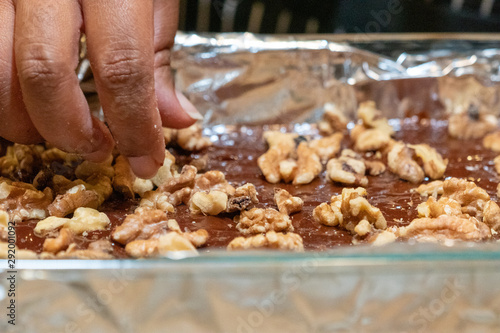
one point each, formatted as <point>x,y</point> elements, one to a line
<point>142,224</point>
<point>281,145</point>
<point>83,220</point>
<point>161,246</point>
<point>75,197</point>
<point>184,179</point>
<point>333,119</point>
<point>381,238</point>
<point>400,161</point>
<point>211,203</point>
<point>445,227</point>
<point>308,165</point>
<point>472,124</point>
<point>347,169</point>
<point>491,215</point>
<point>21,162</point>
<point>101,245</point>
<point>471,197</point>
<point>369,139</point>
<point>87,169</point>
<point>287,204</point>
<point>327,147</point>
<point>434,165</point>
<point>166,171</point>
<point>270,240</point>
<point>198,238</point>
<point>123,182</point>
<point>434,189</point>
<point>372,118</point>
<point>244,197</point>
<point>348,209</point>
<point>157,200</point>
<point>54,154</point>
<point>260,220</point>
<point>190,138</point>
<point>443,206</point>
<point>43,179</point>
<point>4,224</point>
<point>492,141</point>
<point>200,163</point>
<point>23,201</point>
<point>60,243</point>
<point>213,181</point>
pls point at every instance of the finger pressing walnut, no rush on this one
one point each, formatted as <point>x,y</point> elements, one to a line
<point>471,197</point>
<point>244,197</point>
<point>347,170</point>
<point>491,215</point>
<point>434,164</point>
<point>142,224</point>
<point>270,240</point>
<point>445,227</point>
<point>213,181</point>
<point>78,196</point>
<point>83,220</point>
<point>60,243</point>
<point>472,124</point>
<point>87,169</point>
<point>211,203</point>
<point>260,220</point>
<point>435,208</point>
<point>400,161</point>
<point>434,189</point>
<point>333,120</point>
<point>184,179</point>
<point>161,246</point>
<point>492,141</point>
<point>287,204</point>
<point>327,147</point>
<point>308,165</point>
<point>23,201</point>
<point>281,145</point>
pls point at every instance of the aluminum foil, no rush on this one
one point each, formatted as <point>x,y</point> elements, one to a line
<point>250,79</point>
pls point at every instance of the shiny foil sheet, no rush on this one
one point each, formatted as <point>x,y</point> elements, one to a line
<point>251,79</point>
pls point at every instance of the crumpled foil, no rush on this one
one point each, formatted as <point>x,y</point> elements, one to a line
<point>250,79</point>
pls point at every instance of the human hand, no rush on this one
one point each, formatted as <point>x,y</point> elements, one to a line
<point>128,44</point>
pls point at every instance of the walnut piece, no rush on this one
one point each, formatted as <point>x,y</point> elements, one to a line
<point>281,145</point>
<point>434,189</point>
<point>4,224</point>
<point>491,215</point>
<point>190,138</point>
<point>77,196</point>
<point>496,160</point>
<point>21,162</point>
<point>333,119</point>
<point>23,201</point>
<point>492,141</point>
<point>87,169</point>
<point>161,246</point>
<point>308,165</point>
<point>184,179</point>
<point>434,208</point>
<point>123,182</point>
<point>400,161</point>
<point>211,203</point>
<point>471,197</point>
<point>327,147</point>
<point>374,168</point>
<point>445,227</point>
<point>287,204</point>
<point>288,170</point>
<point>347,169</point>
<point>434,165</point>
<point>244,197</point>
<point>166,171</point>
<point>83,220</point>
<point>73,252</point>
<point>213,181</point>
<point>270,240</point>
<point>348,210</point>
<point>60,243</point>
<point>472,124</point>
<point>374,132</point>
<point>157,200</point>
<point>142,224</point>
<point>260,220</point>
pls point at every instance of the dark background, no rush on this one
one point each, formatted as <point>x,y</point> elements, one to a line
<point>341,16</point>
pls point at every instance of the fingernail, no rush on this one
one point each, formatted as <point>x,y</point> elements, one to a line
<point>187,106</point>
<point>144,166</point>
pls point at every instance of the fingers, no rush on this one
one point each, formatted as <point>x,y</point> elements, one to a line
<point>120,49</point>
<point>15,123</point>
<point>175,110</point>
<point>46,48</point>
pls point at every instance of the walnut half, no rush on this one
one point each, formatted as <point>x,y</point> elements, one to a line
<point>270,240</point>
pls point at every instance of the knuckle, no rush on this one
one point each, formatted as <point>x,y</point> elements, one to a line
<point>40,68</point>
<point>124,69</point>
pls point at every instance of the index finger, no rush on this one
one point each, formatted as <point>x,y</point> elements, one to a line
<point>121,52</point>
